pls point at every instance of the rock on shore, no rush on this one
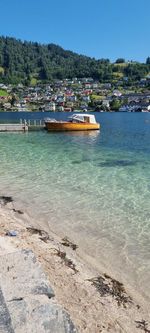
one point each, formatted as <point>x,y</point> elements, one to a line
<point>27,301</point>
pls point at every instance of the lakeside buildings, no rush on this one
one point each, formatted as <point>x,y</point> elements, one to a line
<point>76,95</point>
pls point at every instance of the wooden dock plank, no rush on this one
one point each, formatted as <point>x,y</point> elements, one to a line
<point>13,127</point>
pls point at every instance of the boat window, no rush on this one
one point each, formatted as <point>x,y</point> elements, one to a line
<point>87,119</point>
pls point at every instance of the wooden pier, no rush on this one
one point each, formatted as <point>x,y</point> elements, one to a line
<point>23,126</point>
<point>35,124</point>
<point>13,128</point>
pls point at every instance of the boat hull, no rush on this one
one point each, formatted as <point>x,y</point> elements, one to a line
<point>67,126</point>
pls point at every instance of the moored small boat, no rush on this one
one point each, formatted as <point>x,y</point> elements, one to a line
<point>77,122</point>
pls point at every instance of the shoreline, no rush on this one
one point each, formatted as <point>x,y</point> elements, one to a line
<point>94,305</point>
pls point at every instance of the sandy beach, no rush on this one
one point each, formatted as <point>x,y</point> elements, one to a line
<point>96,302</point>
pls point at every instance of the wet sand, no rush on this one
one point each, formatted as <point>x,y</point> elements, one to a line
<point>102,305</point>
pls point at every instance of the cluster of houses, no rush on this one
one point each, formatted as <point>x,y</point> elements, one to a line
<point>73,95</point>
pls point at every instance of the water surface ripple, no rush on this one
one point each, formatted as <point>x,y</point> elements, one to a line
<point>93,186</point>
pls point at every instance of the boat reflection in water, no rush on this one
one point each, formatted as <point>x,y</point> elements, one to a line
<point>89,133</point>
<point>90,137</point>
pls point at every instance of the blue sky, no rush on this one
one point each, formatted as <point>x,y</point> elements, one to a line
<point>98,28</point>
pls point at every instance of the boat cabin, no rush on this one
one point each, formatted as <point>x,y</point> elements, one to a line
<point>76,122</point>
<point>82,118</point>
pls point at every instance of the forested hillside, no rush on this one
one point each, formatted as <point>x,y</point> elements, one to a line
<point>23,61</point>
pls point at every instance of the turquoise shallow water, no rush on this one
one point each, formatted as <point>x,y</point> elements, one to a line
<point>94,187</point>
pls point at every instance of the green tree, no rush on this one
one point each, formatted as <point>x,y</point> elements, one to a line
<point>148,61</point>
<point>115,104</point>
<point>14,99</point>
<point>120,61</point>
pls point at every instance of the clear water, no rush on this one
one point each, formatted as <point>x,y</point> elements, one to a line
<point>91,186</point>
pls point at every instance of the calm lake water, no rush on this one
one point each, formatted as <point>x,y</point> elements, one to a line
<point>91,186</point>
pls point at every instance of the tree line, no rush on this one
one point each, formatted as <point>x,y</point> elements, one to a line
<point>21,61</point>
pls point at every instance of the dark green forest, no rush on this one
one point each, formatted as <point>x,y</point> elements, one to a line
<point>20,62</point>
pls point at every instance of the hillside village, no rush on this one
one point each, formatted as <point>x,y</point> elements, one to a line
<point>36,77</point>
<point>83,94</point>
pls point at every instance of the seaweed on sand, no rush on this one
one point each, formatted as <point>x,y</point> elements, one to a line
<point>4,200</point>
<point>116,163</point>
<point>142,325</point>
<point>68,262</point>
<point>68,243</point>
<point>44,236</point>
<point>18,211</point>
<point>108,286</point>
